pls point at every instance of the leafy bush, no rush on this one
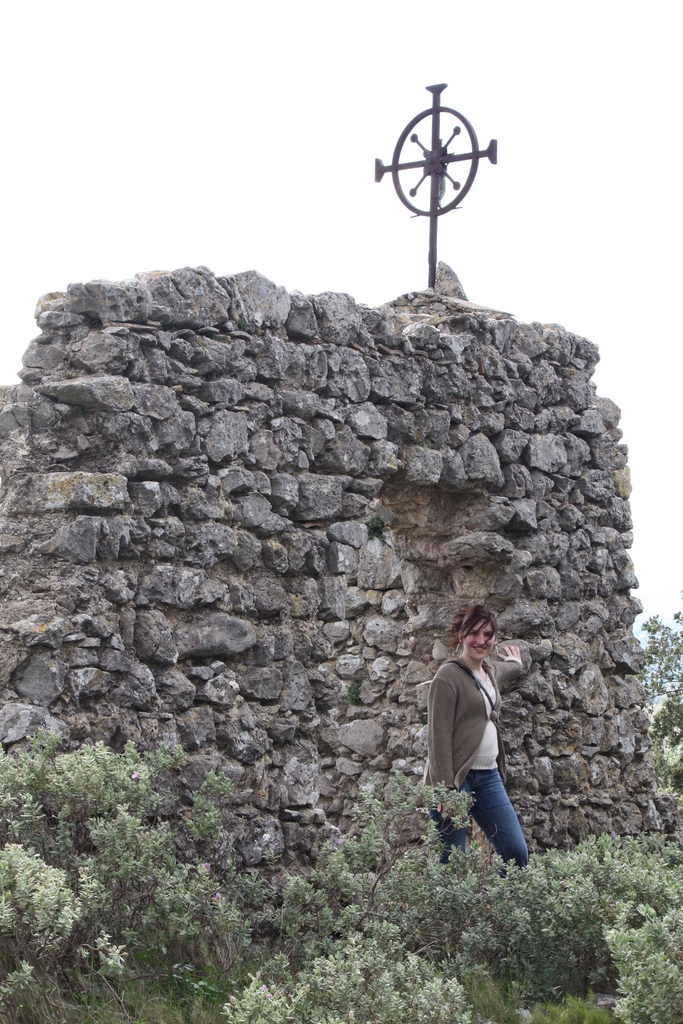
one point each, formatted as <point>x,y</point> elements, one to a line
<point>649,957</point>
<point>363,980</point>
<point>90,870</point>
<point>93,891</point>
<point>546,926</point>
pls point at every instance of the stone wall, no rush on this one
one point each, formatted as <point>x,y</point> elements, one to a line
<point>189,468</point>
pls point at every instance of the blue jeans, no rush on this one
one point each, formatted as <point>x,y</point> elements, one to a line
<point>493,813</point>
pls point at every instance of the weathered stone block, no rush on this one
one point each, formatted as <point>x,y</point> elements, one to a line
<point>40,679</point>
<point>422,465</point>
<point>214,634</point>
<point>48,492</point>
<point>320,497</point>
<point>76,542</point>
<point>105,394</point>
<point>227,436</point>
<point>367,421</point>
<point>363,736</point>
<point>258,301</point>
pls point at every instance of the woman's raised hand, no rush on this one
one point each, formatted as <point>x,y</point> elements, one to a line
<point>512,653</point>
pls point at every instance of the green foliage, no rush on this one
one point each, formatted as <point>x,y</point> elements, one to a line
<point>376,527</point>
<point>362,980</point>
<point>663,680</point>
<point>493,1000</point>
<point>573,1011</point>
<point>649,956</point>
<point>353,691</point>
<point>90,874</point>
<point>101,921</point>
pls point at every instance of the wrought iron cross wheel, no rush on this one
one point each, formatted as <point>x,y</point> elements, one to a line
<point>435,163</point>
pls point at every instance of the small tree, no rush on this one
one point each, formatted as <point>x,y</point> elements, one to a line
<point>663,681</point>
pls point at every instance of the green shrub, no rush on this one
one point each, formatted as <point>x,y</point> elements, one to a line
<point>90,871</point>
<point>353,691</point>
<point>376,527</point>
<point>649,957</point>
<point>548,923</point>
<point>362,980</point>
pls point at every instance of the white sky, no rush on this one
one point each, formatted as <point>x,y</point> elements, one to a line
<point>157,134</point>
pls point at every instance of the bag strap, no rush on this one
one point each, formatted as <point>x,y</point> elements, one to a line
<point>480,685</point>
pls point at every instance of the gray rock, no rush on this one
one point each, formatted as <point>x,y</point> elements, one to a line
<point>17,721</point>
<point>382,633</point>
<point>76,542</point>
<point>384,460</point>
<point>300,777</point>
<point>379,568</point>
<point>343,454</point>
<point>245,741</point>
<point>227,436</point>
<point>338,317</point>
<point>110,301</point>
<point>155,400</point>
<point>524,517</point>
<point>284,491</point>
<point>88,683</point>
<point>40,679</point>
<point>51,492</point>
<point>214,634</point>
<point>367,421</point>
<point>480,460</point>
<point>349,665</point>
<point>296,694</point>
<point>422,465</point>
<point>510,444</point>
<point>261,683</point>
<point>154,638</point>
<point>332,592</point>
<point>397,384</point>
<point>363,737</point>
<point>590,425</point>
<point>227,392</point>
<point>301,323</point>
<point>252,510</point>
<point>342,558</point>
<point>447,282</point>
<point>354,534</point>
<point>176,691</point>
<point>196,728</point>
<point>147,497</point>
<point>258,301</point>
<point>220,691</point>
<point>319,497</point>
<point>547,453</point>
<point>478,546</point>
<point>178,587</point>
<point>452,470</point>
<point>105,394</point>
<point>188,297</point>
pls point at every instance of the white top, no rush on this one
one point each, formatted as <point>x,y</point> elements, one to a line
<point>486,756</point>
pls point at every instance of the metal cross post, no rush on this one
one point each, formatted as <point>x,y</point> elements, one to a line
<point>435,164</point>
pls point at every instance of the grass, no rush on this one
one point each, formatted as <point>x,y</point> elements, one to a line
<point>573,1011</point>
<point>184,1001</point>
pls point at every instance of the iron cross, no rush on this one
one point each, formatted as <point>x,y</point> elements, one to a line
<point>435,164</point>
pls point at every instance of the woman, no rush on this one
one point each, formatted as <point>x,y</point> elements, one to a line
<point>464,742</point>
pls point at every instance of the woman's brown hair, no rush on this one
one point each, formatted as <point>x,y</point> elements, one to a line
<point>470,620</point>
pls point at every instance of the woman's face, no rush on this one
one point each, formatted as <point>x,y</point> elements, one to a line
<point>479,643</point>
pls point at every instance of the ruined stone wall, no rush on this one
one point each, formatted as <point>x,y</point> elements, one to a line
<point>188,472</point>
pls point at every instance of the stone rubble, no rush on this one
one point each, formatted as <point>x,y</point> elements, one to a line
<point>189,469</point>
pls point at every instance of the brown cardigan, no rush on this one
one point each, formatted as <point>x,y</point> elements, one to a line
<point>457,718</point>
